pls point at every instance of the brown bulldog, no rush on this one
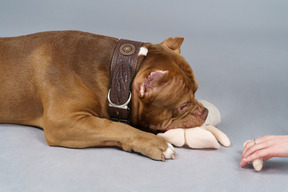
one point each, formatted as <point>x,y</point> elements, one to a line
<point>59,81</point>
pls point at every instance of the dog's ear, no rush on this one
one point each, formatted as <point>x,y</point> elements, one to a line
<point>153,83</point>
<point>173,43</point>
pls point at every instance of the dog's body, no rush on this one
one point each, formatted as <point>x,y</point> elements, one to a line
<point>59,81</point>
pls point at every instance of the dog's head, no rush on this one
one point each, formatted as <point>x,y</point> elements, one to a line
<point>164,90</point>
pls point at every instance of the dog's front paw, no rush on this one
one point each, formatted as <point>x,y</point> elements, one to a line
<point>154,147</point>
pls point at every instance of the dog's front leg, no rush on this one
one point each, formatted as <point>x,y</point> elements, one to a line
<point>89,131</point>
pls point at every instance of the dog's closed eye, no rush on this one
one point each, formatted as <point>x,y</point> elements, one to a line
<point>182,108</point>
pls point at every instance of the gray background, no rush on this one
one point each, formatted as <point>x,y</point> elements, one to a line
<point>238,50</point>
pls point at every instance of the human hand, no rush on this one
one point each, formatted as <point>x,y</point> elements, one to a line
<point>258,163</point>
<point>266,147</point>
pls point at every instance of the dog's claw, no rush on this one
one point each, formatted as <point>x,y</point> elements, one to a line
<point>169,153</point>
<point>173,157</point>
<point>163,157</point>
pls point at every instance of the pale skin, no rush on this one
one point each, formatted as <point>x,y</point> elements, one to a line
<point>266,147</point>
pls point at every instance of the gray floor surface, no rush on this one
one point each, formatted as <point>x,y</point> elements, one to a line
<point>239,53</point>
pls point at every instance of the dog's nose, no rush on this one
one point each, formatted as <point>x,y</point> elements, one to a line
<point>204,114</point>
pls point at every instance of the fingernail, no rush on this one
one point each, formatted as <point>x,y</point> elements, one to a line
<point>245,143</point>
<point>242,164</point>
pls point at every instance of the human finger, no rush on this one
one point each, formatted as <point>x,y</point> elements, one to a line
<point>254,148</point>
<point>243,163</point>
<point>247,144</point>
<point>263,153</point>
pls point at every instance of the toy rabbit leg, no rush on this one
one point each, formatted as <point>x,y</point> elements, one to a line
<point>220,136</point>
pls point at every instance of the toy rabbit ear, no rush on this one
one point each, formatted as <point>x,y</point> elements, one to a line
<point>173,43</point>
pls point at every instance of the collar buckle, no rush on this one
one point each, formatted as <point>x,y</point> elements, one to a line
<point>123,106</point>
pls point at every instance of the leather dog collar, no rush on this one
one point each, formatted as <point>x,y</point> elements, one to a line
<point>123,71</point>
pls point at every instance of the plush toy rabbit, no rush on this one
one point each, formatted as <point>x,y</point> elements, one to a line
<point>206,136</point>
